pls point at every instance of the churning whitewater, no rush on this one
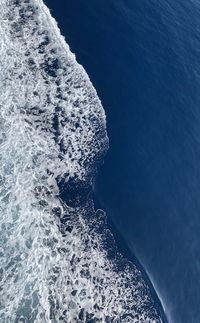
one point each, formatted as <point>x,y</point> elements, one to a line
<point>55,264</point>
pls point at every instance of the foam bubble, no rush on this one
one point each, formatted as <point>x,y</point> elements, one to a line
<point>55,266</point>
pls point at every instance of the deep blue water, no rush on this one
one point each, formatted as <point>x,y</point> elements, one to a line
<point>143,57</point>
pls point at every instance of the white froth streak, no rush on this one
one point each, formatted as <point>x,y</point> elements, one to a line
<point>52,275</point>
<point>161,298</point>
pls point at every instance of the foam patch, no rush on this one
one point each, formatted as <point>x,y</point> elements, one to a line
<point>55,264</point>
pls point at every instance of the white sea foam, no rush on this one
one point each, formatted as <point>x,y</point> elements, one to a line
<point>54,266</point>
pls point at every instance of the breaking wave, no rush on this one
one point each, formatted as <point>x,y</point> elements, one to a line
<point>57,263</point>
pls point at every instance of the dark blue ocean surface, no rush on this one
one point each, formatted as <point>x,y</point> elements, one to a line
<point>143,57</point>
